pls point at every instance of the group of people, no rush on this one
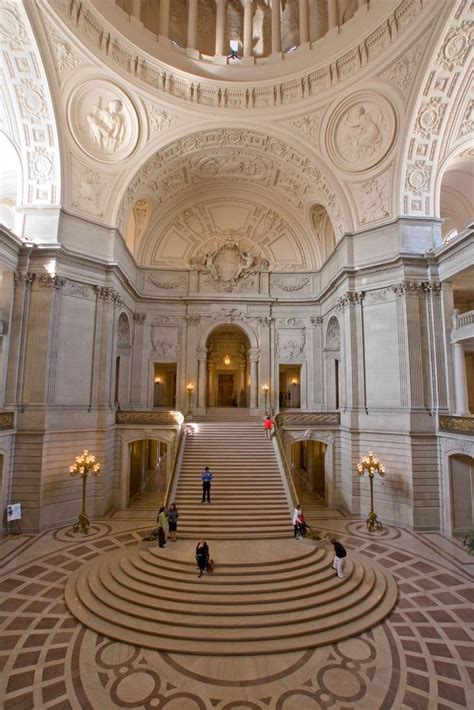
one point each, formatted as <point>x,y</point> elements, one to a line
<point>300,528</point>
<point>167,521</point>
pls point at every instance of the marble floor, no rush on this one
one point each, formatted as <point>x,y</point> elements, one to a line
<point>421,656</point>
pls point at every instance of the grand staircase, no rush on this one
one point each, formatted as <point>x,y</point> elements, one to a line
<point>268,594</point>
<point>248,498</point>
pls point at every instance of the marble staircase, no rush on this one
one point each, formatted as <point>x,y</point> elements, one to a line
<point>248,498</point>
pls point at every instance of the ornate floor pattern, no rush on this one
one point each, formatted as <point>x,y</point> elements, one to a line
<point>420,657</point>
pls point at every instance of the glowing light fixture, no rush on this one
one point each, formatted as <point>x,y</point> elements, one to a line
<point>226,360</point>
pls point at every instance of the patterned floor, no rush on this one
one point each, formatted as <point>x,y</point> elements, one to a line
<point>422,656</point>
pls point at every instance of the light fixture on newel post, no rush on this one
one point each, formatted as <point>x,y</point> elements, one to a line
<point>371,465</point>
<point>189,390</point>
<point>266,390</point>
<point>85,464</point>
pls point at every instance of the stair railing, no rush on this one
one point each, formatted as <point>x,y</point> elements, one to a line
<point>177,455</point>
<point>286,465</point>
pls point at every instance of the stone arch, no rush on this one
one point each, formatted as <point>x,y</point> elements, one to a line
<point>128,437</point>
<point>454,187</point>
<point>323,230</point>
<point>229,320</point>
<point>30,124</point>
<point>435,113</point>
<point>306,177</point>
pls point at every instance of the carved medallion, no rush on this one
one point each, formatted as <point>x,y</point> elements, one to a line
<point>103,121</point>
<point>361,131</point>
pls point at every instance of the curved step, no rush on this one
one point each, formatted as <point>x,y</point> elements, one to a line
<point>149,598</point>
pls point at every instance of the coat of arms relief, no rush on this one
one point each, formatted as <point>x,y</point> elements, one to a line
<point>228,264</point>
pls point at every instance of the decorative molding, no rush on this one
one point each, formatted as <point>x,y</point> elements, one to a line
<point>7,420</point>
<point>169,284</point>
<point>146,418</point>
<point>305,419</point>
<point>289,285</point>
<point>460,425</point>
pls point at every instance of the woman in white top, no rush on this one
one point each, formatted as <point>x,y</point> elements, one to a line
<point>296,521</point>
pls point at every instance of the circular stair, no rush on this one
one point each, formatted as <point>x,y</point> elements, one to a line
<point>262,598</point>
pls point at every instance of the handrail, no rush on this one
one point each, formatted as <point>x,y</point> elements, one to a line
<point>286,465</point>
<point>177,451</point>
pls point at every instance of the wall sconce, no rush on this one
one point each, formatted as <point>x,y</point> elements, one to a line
<point>266,390</point>
<point>158,380</point>
<point>372,465</point>
<point>226,360</point>
<point>189,390</point>
<point>294,381</point>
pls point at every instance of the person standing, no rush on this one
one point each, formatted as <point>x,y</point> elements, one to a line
<point>340,555</point>
<point>202,556</point>
<point>162,521</point>
<point>206,477</point>
<point>173,516</point>
<point>268,426</point>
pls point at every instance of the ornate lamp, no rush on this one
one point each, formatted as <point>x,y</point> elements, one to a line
<point>84,465</point>
<point>189,390</point>
<point>266,390</point>
<point>372,465</point>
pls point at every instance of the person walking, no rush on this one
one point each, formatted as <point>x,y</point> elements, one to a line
<point>173,516</point>
<point>162,521</point>
<point>299,523</point>
<point>202,556</point>
<point>206,477</point>
<point>340,555</point>
<point>268,426</point>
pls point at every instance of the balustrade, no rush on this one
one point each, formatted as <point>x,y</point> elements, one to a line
<point>305,14</point>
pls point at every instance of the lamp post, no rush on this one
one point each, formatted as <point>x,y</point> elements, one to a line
<point>266,390</point>
<point>84,465</point>
<point>189,390</point>
<point>372,465</point>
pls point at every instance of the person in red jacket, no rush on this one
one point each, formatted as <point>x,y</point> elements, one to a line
<point>268,425</point>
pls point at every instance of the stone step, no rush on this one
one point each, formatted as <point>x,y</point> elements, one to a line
<point>244,608</point>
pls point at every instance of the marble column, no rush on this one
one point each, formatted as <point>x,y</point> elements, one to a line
<point>135,8</point>
<point>202,377</point>
<point>192,24</point>
<point>276,27</point>
<point>164,17</point>
<point>253,379</point>
<point>332,14</point>
<point>248,33</point>
<point>221,7</point>
<point>304,21</point>
<point>460,380</point>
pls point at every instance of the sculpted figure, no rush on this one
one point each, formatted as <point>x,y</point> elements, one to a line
<point>209,265</point>
<point>106,125</point>
<point>246,262</point>
<point>363,137</point>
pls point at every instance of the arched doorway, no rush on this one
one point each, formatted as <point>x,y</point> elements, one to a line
<point>148,467</point>
<point>228,367</point>
<point>461,473</point>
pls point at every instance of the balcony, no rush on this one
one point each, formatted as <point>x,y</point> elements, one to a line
<point>149,418</point>
<point>457,425</point>
<point>463,326</point>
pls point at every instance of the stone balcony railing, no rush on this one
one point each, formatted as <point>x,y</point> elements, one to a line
<point>457,425</point>
<point>7,421</point>
<point>463,326</point>
<point>149,418</point>
<point>308,419</point>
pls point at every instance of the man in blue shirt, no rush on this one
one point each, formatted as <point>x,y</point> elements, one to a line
<point>206,477</point>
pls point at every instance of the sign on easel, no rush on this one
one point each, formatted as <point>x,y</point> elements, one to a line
<point>14,517</point>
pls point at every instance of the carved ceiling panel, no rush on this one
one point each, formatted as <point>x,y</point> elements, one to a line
<point>201,236</point>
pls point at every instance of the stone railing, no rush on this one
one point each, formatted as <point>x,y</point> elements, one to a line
<point>7,421</point>
<point>462,319</point>
<point>457,425</point>
<point>147,418</point>
<point>308,419</point>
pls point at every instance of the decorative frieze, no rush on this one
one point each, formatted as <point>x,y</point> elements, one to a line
<point>461,425</point>
<point>7,421</point>
<point>308,419</point>
<point>406,288</point>
<point>139,318</point>
<point>146,418</point>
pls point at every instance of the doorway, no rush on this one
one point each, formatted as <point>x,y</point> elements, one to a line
<point>228,383</point>
<point>148,467</point>
<point>164,385</point>
<point>461,469</point>
<point>309,470</point>
<point>289,396</point>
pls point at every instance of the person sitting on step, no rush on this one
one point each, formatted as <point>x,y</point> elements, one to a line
<point>202,556</point>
